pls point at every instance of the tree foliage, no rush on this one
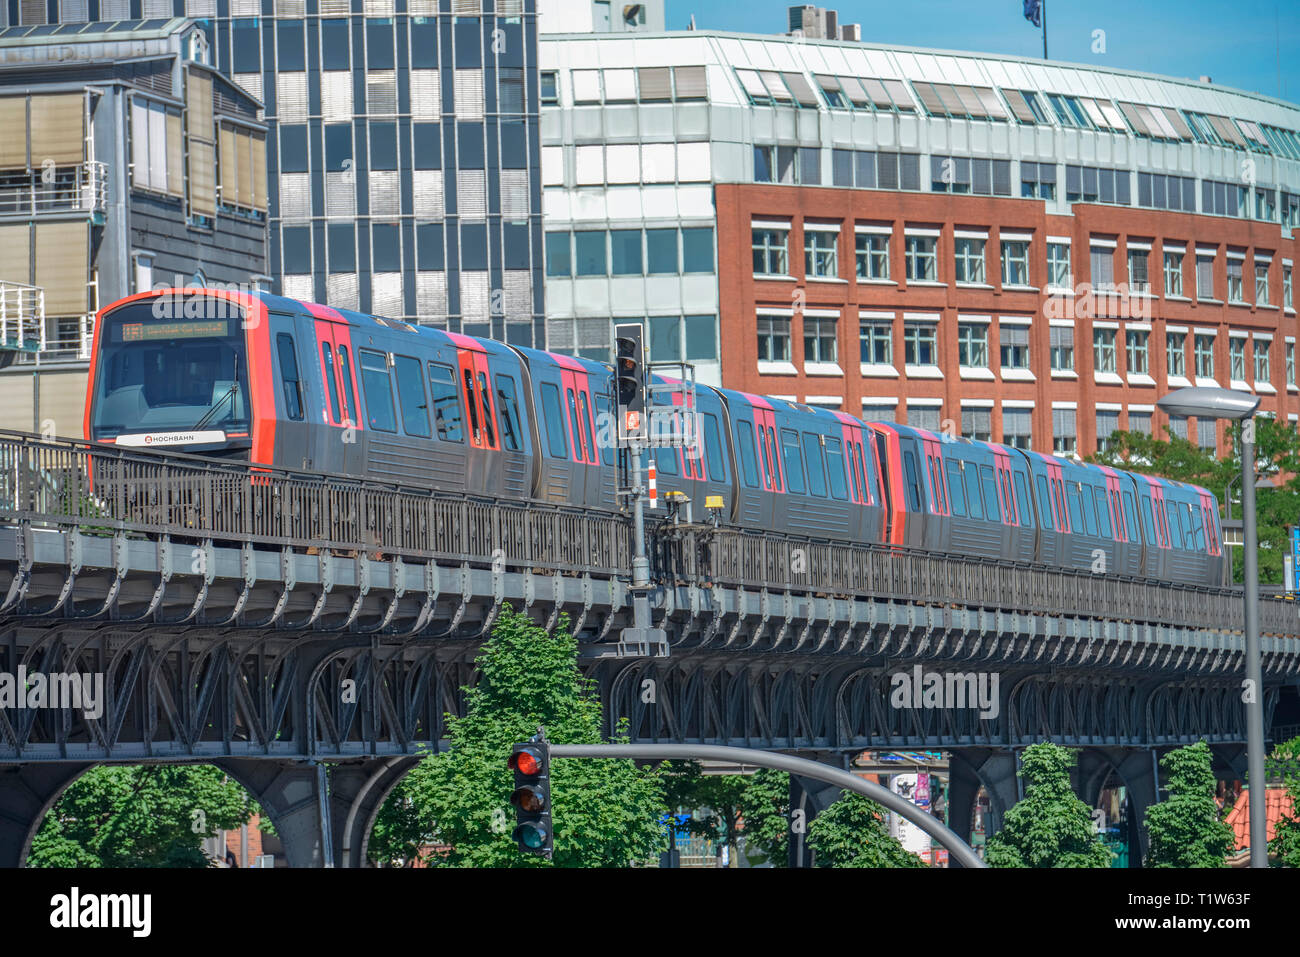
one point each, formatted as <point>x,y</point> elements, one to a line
<point>1284,762</point>
<point>852,833</point>
<point>765,815</point>
<point>1186,828</point>
<point>605,812</point>
<point>153,815</point>
<point>399,834</point>
<point>1049,827</point>
<point>1277,453</point>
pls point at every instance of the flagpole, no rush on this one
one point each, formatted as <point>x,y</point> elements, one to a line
<point>1044,29</point>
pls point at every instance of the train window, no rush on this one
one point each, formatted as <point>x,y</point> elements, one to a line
<point>748,458</point>
<point>973,496</point>
<point>289,376</point>
<point>1008,500</point>
<point>991,509</point>
<point>913,481</point>
<point>331,385</point>
<point>508,414</point>
<point>350,411</point>
<point>956,494</point>
<point>867,484</point>
<point>378,388</point>
<point>1130,518</point>
<point>1196,531</point>
<point>578,451</point>
<point>1046,499</point>
<point>774,459</point>
<point>713,449</point>
<point>1022,500</point>
<point>476,435</point>
<point>855,474</point>
<point>1089,512</point>
<point>410,393</point>
<point>1074,502</point>
<point>794,478</point>
<point>666,460</point>
<point>835,469</point>
<point>605,428</point>
<point>584,413</point>
<point>812,448</point>
<point>1175,517</point>
<point>1148,521</point>
<point>553,415</point>
<point>485,397</point>
<point>1103,513</point>
<point>446,403</point>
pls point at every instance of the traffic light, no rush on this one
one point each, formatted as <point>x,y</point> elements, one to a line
<point>531,799</point>
<point>629,372</point>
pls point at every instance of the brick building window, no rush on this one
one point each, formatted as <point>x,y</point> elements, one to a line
<point>922,258</point>
<point>1236,287</point>
<point>1107,425</point>
<point>1102,261</point>
<point>771,252</point>
<point>1014,342</point>
<point>1287,299</point>
<point>1058,266</point>
<point>1017,428</point>
<point>1062,344</point>
<point>969,260</point>
<point>1138,262</point>
<point>1103,350</point>
<point>873,256</point>
<point>928,417</point>
<point>1204,275</point>
<point>877,343</point>
<point>773,338</point>
<point>820,252</point>
<point>977,424</point>
<point>1063,432</point>
<point>1138,351</point>
<point>1263,367</point>
<point>973,345</point>
<point>1204,356</point>
<point>1139,422</point>
<point>1290,364</point>
<point>1176,353</point>
<point>1237,359</point>
<point>1174,272</point>
<point>920,344</point>
<point>819,340</point>
<point>1206,436</point>
<point>1015,262</point>
<point>1261,283</point>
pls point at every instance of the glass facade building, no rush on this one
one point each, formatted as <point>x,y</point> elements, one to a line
<point>402,148</point>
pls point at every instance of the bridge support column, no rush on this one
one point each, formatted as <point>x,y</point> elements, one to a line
<point>329,830</point>
<point>969,769</point>
<point>1136,769</point>
<point>810,797</point>
<point>27,791</point>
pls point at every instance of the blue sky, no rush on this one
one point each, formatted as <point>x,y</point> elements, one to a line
<point>1236,43</point>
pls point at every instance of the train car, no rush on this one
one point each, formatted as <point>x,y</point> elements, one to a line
<point>294,385</point>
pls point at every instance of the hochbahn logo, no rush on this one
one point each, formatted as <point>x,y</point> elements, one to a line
<point>947,690</point>
<point>57,690</point>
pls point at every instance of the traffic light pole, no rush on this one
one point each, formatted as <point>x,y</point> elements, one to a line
<point>961,852</point>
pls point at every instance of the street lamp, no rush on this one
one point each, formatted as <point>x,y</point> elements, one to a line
<point>1230,404</point>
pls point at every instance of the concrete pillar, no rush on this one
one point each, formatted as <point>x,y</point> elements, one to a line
<point>968,770</point>
<point>315,832</point>
<point>27,792</point>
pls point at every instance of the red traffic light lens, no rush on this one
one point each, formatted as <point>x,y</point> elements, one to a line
<point>526,761</point>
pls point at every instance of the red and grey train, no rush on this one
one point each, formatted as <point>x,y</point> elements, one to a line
<point>303,386</point>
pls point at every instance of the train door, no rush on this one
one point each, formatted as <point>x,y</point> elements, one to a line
<point>769,468</point>
<point>293,398</point>
<point>338,447</point>
<point>579,419</point>
<point>474,383</point>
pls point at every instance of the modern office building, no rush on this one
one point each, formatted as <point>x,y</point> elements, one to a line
<point>126,161</point>
<point>600,16</point>
<point>1009,249</point>
<point>401,148</point>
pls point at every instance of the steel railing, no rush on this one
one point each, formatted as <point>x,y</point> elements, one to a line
<point>80,187</point>
<point>22,316</point>
<point>102,489</point>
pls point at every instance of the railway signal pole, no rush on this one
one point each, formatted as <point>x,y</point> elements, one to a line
<point>641,640</point>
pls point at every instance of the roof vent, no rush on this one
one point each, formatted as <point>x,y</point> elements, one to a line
<point>1205,79</point>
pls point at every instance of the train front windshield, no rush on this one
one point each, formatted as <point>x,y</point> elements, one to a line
<point>176,380</point>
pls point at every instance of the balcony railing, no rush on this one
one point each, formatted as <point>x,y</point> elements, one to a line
<point>22,317</point>
<point>66,339</point>
<point>82,187</point>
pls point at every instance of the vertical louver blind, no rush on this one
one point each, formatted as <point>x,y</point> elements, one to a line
<point>152,123</point>
<point>199,132</point>
<point>13,117</point>
<point>243,168</point>
<point>63,267</point>
<point>16,253</point>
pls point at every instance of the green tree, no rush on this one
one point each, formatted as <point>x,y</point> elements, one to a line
<point>1049,827</point>
<point>1284,762</point>
<point>716,802</point>
<point>852,833</point>
<point>765,815</point>
<point>1186,828</point>
<point>154,815</point>
<point>605,812</point>
<point>1277,454</point>
<point>399,831</point>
